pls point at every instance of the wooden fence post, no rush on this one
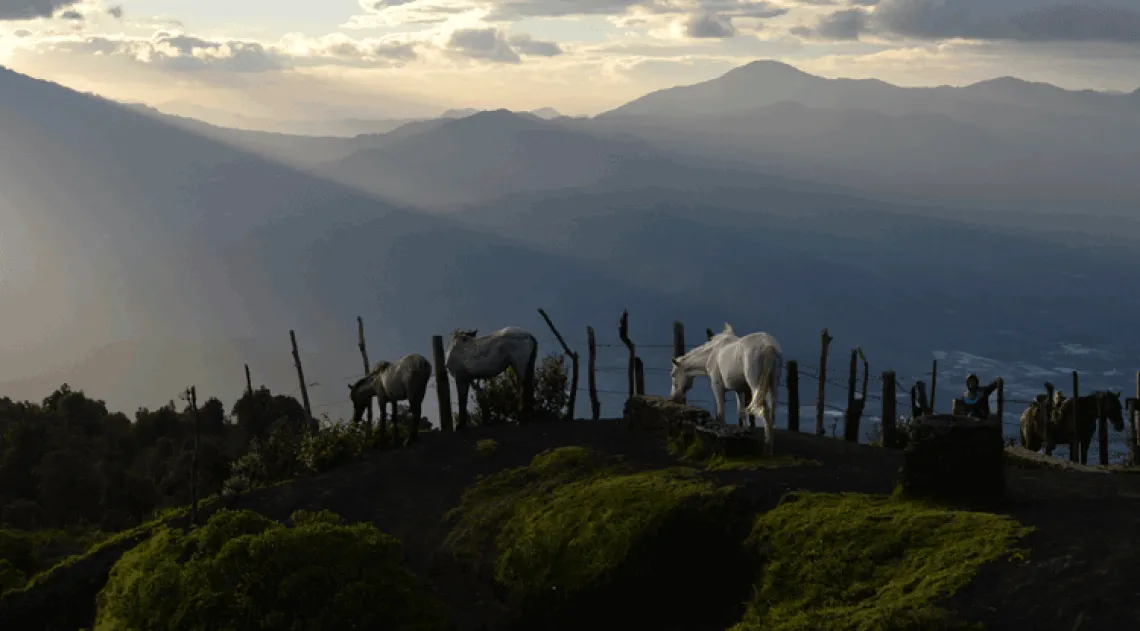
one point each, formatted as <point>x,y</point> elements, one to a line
<point>639,375</point>
<point>574,365</point>
<point>192,399</point>
<point>1001,404</point>
<point>248,384</point>
<point>850,424</point>
<point>367,369</point>
<point>591,378</point>
<point>793,381</point>
<point>933,384</point>
<point>825,341</point>
<point>301,380</point>
<point>1133,448</point>
<point>921,405</point>
<point>678,339</point>
<point>890,414</point>
<point>1046,431</point>
<point>1136,420</point>
<point>1102,433</point>
<point>631,369</point>
<point>1074,441</point>
<point>442,384</point>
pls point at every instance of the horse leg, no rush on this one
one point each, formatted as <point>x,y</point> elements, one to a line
<point>718,397</point>
<point>741,412</point>
<point>416,406</point>
<point>461,392</point>
<point>383,420</point>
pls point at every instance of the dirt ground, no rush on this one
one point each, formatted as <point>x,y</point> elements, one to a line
<point>1083,572</point>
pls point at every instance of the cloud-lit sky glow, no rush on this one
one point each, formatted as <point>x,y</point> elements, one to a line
<point>294,60</point>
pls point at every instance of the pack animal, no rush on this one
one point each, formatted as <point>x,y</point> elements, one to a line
<point>405,379</point>
<point>749,366</point>
<point>1090,409</point>
<point>470,358</point>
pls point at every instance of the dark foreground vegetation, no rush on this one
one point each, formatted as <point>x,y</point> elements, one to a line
<point>570,525</point>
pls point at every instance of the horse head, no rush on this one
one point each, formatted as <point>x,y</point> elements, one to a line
<point>1112,408</point>
<point>728,330</point>
<point>681,382</point>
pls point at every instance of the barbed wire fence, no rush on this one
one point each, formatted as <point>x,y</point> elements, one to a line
<point>610,371</point>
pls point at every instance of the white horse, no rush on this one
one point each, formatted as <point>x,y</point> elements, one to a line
<point>749,365</point>
<point>405,379</point>
<point>470,358</point>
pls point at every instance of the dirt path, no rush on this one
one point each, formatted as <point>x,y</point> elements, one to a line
<point>1083,573</point>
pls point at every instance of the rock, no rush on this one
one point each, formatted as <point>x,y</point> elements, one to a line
<point>957,459</point>
<point>658,413</point>
<point>683,424</point>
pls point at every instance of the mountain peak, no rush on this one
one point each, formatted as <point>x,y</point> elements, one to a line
<point>765,69</point>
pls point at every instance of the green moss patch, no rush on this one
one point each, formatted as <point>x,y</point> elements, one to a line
<point>577,536</point>
<point>487,447</point>
<point>243,571</point>
<point>864,563</point>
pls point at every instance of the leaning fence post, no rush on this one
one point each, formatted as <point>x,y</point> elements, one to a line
<point>825,341</point>
<point>793,381</point>
<point>631,368</point>
<point>1001,405</point>
<point>639,375</point>
<point>301,379</point>
<point>574,364</point>
<point>850,417</point>
<point>442,384</point>
<point>1132,446</point>
<point>591,378</point>
<point>890,414</point>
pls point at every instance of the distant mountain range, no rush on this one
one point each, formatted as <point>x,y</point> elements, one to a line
<point>144,252</point>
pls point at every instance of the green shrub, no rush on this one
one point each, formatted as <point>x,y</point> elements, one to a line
<point>331,447</point>
<point>577,535</point>
<point>497,401</point>
<point>487,447</point>
<point>863,563</point>
<point>243,571</point>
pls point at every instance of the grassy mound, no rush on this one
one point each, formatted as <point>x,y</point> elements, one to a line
<point>864,563</point>
<point>577,537</point>
<point>243,571</point>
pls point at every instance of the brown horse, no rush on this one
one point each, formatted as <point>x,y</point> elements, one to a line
<point>1090,408</point>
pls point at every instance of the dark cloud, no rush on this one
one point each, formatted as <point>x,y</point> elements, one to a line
<point>843,25</point>
<point>1015,20</point>
<point>709,26</point>
<point>491,44</point>
<point>30,9</point>
<point>71,14</point>
<point>115,12</point>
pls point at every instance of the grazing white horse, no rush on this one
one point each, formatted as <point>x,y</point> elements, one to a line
<point>405,379</point>
<point>470,358</point>
<point>746,365</point>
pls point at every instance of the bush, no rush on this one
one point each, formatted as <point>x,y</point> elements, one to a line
<point>576,537</point>
<point>497,402</point>
<point>862,563</point>
<point>243,571</point>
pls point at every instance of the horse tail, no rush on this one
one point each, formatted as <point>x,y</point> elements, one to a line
<point>769,378</point>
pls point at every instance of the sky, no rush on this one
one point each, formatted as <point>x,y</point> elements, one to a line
<point>321,60</point>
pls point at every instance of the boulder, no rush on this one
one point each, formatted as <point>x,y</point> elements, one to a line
<point>956,459</point>
<point>658,413</point>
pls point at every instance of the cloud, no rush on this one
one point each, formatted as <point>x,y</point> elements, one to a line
<point>71,14</point>
<point>535,48</point>
<point>491,44</point>
<point>31,9</point>
<point>181,52</point>
<point>115,12</point>
<point>709,26</point>
<point>1115,21</point>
